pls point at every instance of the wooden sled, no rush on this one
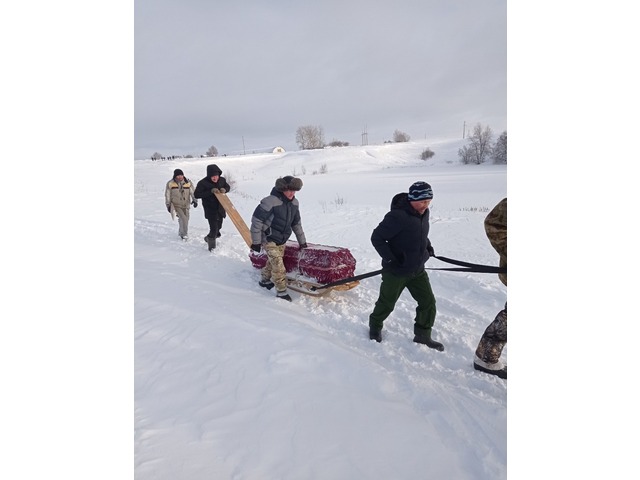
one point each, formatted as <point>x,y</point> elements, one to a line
<point>298,278</point>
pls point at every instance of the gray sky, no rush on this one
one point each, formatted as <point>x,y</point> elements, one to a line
<point>244,75</point>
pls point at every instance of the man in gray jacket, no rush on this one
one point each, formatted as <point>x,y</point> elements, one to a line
<point>272,223</point>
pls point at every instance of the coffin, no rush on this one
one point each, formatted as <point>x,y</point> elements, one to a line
<point>323,263</point>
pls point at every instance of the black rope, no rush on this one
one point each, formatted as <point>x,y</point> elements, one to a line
<point>469,267</point>
<point>463,267</point>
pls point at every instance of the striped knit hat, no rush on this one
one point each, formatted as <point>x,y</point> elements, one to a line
<point>420,191</point>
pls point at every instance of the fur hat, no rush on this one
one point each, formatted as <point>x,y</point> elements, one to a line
<point>177,172</point>
<point>420,191</point>
<point>288,183</point>
<point>213,169</point>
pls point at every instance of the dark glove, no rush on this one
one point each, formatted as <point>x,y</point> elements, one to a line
<point>222,190</point>
<point>194,203</point>
<point>303,245</point>
<point>394,262</point>
<point>431,252</point>
<point>215,190</point>
<point>390,263</point>
<point>169,208</point>
<point>255,247</point>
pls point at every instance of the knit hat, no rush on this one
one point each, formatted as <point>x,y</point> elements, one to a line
<point>177,172</point>
<point>288,183</point>
<point>420,191</point>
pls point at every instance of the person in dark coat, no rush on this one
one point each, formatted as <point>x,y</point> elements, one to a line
<point>273,221</point>
<point>402,240</point>
<point>494,338</point>
<point>213,211</point>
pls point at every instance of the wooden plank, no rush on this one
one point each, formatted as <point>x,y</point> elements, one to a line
<point>235,217</point>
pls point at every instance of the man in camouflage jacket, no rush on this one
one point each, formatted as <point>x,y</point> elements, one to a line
<point>494,338</point>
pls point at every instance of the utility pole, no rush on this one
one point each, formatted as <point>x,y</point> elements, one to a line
<point>244,152</point>
<point>365,136</point>
<point>464,125</point>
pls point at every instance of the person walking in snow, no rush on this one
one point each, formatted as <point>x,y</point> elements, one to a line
<point>402,240</point>
<point>273,221</point>
<point>213,211</point>
<point>494,338</point>
<point>178,197</point>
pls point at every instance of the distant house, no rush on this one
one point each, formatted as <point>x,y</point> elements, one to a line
<point>278,150</point>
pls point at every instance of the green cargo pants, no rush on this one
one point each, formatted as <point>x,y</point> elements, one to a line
<point>420,289</point>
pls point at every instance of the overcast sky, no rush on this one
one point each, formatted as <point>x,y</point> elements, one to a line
<point>244,76</point>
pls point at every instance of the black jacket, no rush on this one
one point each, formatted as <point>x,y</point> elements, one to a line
<point>401,239</point>
<point>211,205</point>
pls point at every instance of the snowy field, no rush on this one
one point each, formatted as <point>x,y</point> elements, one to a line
<point>231,383</point>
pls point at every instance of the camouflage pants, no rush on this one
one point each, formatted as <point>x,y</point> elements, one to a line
<point>493,339</point>
<point>274,269</point>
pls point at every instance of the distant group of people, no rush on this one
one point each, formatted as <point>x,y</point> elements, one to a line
<point>401,239</point>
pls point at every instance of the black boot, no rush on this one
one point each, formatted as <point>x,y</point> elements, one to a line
<point>211,242</point>
<point>284,296</point>
<point>375,334</point>
<point>425,339</point>
<point>268,284</point>
<point>501,373</point>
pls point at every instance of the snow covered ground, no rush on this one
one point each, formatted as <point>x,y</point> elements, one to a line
<point>231,383</point>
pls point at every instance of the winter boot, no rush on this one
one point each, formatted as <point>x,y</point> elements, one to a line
<point>211,242</point>
<point>425,339</point>
<point>284,296</point>
<point>375,334</point>
<point>268,284</point>
<point>498,369</point>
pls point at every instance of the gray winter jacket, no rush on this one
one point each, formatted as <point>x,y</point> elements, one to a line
<point>275,219</point>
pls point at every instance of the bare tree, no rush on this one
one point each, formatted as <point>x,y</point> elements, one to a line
<point>309,137</point>
<point>465,155</point>
<point>500,149</point>
<point>479,147</point>
<point>156,156</point>
<point>400,137</point>
<point>212,152</point>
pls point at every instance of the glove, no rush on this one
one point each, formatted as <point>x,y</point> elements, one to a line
<point>222,190</point>
<point>394,262</point>
<point>389,263</point>
<point>303,245</point>
<point>169,208</point>
<point>431,252</point>
<point>194,203</point>
<point>256,247</point>
<point>215,190</point>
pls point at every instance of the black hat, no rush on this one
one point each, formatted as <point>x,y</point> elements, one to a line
<point>288,183</point>
<point>420,191</point>
<point>177,172</point>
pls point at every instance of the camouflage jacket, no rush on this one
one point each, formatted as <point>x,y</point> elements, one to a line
<point>495,226</point>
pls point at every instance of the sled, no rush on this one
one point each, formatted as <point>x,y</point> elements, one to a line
<point>307,269</point>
